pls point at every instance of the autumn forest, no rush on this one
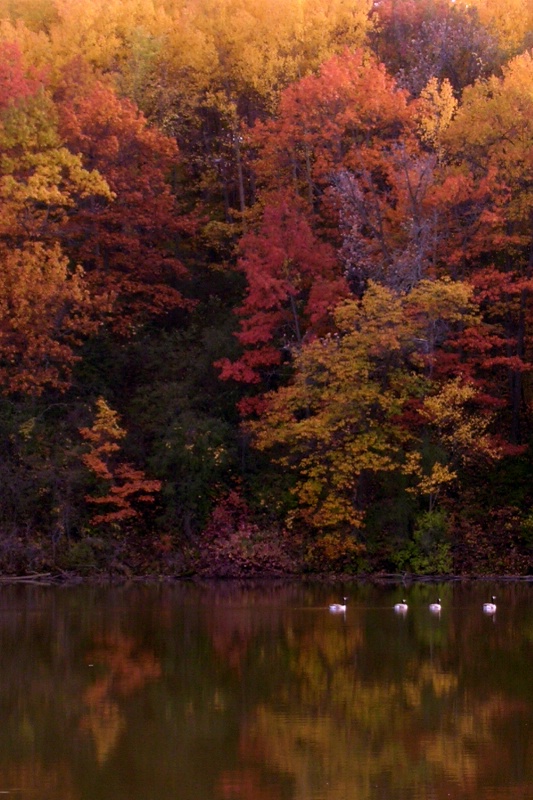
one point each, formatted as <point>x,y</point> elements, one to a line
<point>266,297</point>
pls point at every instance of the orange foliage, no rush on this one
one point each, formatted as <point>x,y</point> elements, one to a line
<point>45,309</point>
<point>346,116</point>
<point>125,486</point>
<point>128,670</point>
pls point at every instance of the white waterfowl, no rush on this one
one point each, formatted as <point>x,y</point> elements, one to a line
<point>337,608</point>
<point>401,608</point>
<point>490,608</point>
<point>435,607</point>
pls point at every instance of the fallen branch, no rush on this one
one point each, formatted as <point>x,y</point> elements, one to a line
<point>35,577</point>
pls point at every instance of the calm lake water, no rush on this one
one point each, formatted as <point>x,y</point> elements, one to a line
<point>235,691</point>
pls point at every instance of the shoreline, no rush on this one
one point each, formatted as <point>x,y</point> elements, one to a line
<point>70,579</point>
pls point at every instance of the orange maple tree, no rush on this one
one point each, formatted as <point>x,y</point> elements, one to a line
<point>122,487</point>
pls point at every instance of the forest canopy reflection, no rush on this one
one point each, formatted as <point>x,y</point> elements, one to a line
<point>231,691</point>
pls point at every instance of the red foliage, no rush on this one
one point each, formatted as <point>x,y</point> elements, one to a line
<point>350,117</point>
<point>234,546</point>
<point>15,83</point>
<point>128,247</point>
<point>293,283</point>
<point>346,116</point>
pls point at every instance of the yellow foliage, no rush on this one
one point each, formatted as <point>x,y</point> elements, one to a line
<point>101,31</point>
<point>462,431</point>
<point>510,20</point>
<point>437,107</point>
<point>259,45</point>
<point>39,178</point>
<point>106,424</point>
<point>341,416</point>
<point>34,44</point>
<point>492,131</point>
<point>428,484</point>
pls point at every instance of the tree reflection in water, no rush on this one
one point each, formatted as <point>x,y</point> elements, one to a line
<point>249,691</point>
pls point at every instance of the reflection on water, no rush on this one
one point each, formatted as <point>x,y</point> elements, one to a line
<point>237,691</point>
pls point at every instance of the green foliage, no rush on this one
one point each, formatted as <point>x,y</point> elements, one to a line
<point>41,473</point>
<point>181,419</point>
<point>527,531</point>
<point>83,556</point>
<point>429,550</point>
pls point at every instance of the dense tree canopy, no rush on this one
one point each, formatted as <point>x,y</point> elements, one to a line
<point>266,284</point>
